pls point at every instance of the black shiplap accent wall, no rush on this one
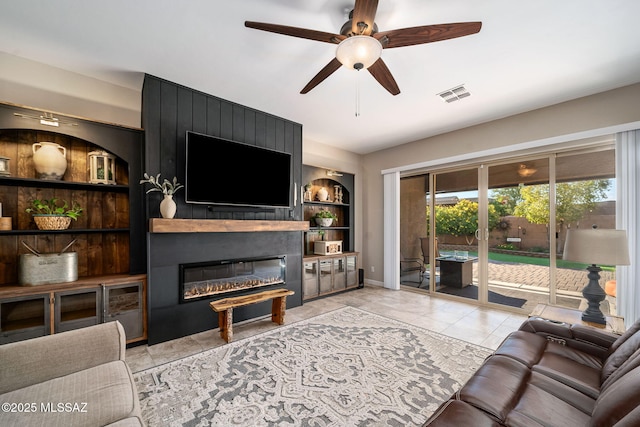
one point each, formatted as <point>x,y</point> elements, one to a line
<point>169,110</point>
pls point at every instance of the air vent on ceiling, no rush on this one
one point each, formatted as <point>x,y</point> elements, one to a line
<point>454,94</point>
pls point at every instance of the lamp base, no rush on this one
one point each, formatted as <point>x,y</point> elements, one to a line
<point>594,294</point>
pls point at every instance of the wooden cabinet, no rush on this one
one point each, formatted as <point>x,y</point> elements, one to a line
<point>109,235</point>
<point>28,312</point>
<point>328,274</point>
<point>110,232</point>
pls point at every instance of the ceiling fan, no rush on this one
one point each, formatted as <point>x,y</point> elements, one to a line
<point>360,44</point>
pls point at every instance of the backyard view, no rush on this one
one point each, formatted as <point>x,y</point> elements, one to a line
<point>523,243</point>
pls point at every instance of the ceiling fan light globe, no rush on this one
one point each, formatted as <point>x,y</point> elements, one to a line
<point>526,171</point>
<point>364,50</point>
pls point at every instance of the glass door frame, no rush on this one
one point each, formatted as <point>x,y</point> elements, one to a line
<point>482,296</point>
<point>551,181</point>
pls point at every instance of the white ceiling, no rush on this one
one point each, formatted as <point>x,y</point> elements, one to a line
<point>529,54</point>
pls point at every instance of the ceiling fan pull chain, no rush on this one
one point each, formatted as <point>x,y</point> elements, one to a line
<point>357,93</point>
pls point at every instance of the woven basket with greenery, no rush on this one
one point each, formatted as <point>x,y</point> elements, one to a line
<point>52,222</point>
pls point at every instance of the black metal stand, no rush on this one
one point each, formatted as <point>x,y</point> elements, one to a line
<point>594,294</point>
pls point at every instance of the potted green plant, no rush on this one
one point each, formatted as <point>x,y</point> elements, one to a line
<point>168,188</point>
<point>53,214</point>
<point>324,218</point>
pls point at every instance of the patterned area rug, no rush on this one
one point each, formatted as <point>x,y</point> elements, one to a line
<point>343,368</point>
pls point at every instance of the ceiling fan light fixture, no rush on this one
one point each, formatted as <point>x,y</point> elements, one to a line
<point>524,171</point>
<point>358,52</point>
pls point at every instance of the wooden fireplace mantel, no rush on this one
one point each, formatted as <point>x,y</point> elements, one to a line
<point>163,225</point>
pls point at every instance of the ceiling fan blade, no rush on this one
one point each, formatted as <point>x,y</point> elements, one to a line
<point>364,11</point>
<point>329,69</point>
<point>302,33</point>
<point>426,34</point>
<point>381,73</point>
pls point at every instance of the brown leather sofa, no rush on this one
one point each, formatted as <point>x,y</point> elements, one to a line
<point>552,374</point>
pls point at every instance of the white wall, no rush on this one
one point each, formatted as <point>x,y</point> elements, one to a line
<point>34,84</point>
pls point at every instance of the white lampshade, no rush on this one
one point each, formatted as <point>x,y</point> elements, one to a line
<point>354,50</point>
<point>597,246</point>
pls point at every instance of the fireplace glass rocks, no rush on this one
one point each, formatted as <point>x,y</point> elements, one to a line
<point>218,278</point>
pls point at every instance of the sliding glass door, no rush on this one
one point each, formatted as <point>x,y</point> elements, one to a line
<point>585,198</point>
<point>453,219</point>
<point>495,232</point>
<point>518,207</point>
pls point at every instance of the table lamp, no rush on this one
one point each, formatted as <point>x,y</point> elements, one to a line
<point>596,246</point>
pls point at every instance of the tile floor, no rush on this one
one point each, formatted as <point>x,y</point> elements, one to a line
<point>479,325</point>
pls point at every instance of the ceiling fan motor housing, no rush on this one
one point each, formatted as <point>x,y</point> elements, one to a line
<point>346,28</point>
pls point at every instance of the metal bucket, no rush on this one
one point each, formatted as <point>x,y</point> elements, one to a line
<point>48,268</point>
<point>40,269</point>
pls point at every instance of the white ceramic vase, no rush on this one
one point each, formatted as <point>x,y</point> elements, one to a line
<point>168,206</point>
<point>50,160</point>
<point>323,194</point>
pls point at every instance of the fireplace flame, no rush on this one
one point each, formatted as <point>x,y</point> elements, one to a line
<point>215,287</point>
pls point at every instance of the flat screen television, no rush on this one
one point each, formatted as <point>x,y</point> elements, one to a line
<point>230,173</point>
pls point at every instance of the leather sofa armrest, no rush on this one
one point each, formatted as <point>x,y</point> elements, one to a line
<point>538,325</point>
<point>594,336</point>
<point>588,339</point>
<point>575,331</point>
<point>33,361</point>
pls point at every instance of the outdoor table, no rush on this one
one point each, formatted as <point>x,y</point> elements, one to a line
<point>456,271</point>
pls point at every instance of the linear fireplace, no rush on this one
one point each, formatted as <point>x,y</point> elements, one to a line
<point>222,278</point>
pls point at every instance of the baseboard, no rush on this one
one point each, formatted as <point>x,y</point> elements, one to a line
<point>374,282</point>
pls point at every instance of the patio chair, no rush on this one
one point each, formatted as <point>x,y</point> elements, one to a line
<point>408,265</point>
<point>424,244</point>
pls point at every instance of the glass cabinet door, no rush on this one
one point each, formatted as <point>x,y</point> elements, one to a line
<point>339,274</point>
<point>326,280</point>
<point>77,309</point>
<point>352,271</point>
<point>310,279</point>
<point>124,303</point>
<point>22,318</point>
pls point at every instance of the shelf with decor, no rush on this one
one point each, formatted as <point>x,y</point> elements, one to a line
<point>333,194</point>
<point>328,247</point>
<point>88,164</point>
<point>325,203</point>
<point>35,182</point>
<point>65,231</point>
